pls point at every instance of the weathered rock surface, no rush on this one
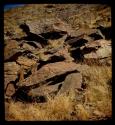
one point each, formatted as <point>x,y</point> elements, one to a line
<point>27,46</point>
<point>10,90</point>
<point>10,72</point>
<point>72,81</point>
<point>49,25</point>
<point>11,68</point>
<point>25,61</point>
<point>52,48</point>
<point>48,71</point>
<point>45,90</point>
<point>10,49</point>
<point>102,49</point>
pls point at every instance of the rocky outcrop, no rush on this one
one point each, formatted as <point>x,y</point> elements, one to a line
<point>48,71</point>
<point>25,61</point>
<point>102,49</point>
<point>53,51</point>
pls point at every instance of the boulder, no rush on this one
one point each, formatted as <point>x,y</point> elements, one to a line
<point>72,81</point>
<point>47,71</point>
<point>10,49</point>
<point>99,49</point>
<point>44,90</point>
<point>49,25</point>
<point>25,61</point>
<point>10,90</point>
<point>10,72</point>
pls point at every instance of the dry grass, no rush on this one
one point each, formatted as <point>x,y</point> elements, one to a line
<point>97,103</point>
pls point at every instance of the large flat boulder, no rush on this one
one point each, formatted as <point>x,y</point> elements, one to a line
<point>48,71</point>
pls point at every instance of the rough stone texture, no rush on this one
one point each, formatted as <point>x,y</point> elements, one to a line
<point>10,90</point>
<point>67,31</point>
<point>11,68</point>
<point>10,49</point>
<point>65,53</point>
<point>48,71</point>
<point>49,25</point>
<point>102,49</point>
<point>25,61</point>
<point>72,81</point>
<point>27,46</point>
<point>10,72</point>
<point>44,90</point>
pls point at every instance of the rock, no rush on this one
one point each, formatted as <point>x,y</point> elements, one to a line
<point>35,44</point>
<point>8,78</point>
<point>72,81</point>
<point>53,25</point>
<point>27,46</point>
<point>49,25</point>
<point>102,49</point>
<point>44,90</point>
<point>106,61</point>
<point>98,113</point>
<point>98,43</point>
<point>11,44</point>
<point>10,49</point>
<point>48,71</point>
<point>58,42</point>
<point>104,52</point>
<point>11,68</point>
<point>25,61</point>
<point>10,90</point>
<point>65,53</point>
<point>83,67</point>
<point>10,71</point>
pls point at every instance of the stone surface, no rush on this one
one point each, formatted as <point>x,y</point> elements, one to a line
<point>10,49</point>
<point>11,68</point>
<point>27,46</point>
<point>25,61</point>
<point>48,71</point>
<point>57,41</point>
<point>44,90</point>
<point>102,49</point>
<point>10,90</point>
<point>49,25</point>
<point>72,81</point>
<point>10,72</point>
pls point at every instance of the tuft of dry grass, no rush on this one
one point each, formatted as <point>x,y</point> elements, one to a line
<point>55,109</point>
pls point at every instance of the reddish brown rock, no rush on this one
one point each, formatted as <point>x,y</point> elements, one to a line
<point>49,25</point>
<point>44,90</point>
<point>10,90</point>
<point>72,81</point>
<point>102,48</point>
<point>10,49</point>
<point>25,61</point>
<point>10,72</point>
<point>48,71</point>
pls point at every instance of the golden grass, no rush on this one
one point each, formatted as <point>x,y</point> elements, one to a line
<point>97,102</point>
